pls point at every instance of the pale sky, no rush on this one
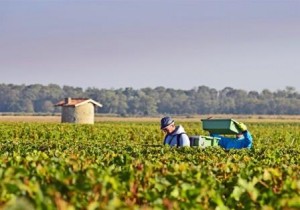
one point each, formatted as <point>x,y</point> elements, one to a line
<point>181,44</point>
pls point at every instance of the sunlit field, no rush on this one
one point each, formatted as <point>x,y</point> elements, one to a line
<point>120,163</point>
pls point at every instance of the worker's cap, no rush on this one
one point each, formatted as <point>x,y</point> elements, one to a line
<point>165,121</point>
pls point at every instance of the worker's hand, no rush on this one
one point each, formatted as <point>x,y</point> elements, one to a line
<point>242,126</point>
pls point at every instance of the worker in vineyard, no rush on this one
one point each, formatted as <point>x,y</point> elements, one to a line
<point>175,135</point>
<point>242,140</point>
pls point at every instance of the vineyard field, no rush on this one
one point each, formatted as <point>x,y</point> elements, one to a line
<point>123,165</point>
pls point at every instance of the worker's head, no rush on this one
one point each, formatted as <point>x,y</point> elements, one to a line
<point>167,124</point>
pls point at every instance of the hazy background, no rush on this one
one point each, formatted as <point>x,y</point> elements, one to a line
<point>251,45</point>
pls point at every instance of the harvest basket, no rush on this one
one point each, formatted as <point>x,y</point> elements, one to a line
<point>220,126</point>
<point>204,141</point>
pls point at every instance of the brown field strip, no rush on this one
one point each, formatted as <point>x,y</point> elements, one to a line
<point>99,118</point>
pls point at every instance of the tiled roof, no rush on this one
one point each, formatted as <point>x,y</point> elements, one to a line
<point>76,102</point>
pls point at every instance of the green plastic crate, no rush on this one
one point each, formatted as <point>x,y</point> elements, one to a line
<point>220,126</point>
<point>204,141</point>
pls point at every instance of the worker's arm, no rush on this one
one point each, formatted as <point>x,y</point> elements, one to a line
<point>247,141</point>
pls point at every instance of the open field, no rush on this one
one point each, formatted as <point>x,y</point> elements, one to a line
<point>103,118</point>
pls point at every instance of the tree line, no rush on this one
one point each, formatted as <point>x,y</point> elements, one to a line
<point>37,98</point>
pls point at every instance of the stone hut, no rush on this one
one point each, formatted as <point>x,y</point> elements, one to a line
<point>78,110</point>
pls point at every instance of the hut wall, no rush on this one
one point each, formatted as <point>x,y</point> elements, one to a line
<point>68,114</point>
<point>85,113</point>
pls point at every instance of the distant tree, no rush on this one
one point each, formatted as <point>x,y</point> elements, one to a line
<point>148,101</point>
<point>26,106</point>
<point>73,92</point>
<point>47,106</point>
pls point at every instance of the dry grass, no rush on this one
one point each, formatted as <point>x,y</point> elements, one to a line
<point>196,118</point>
<point>54,119</point>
